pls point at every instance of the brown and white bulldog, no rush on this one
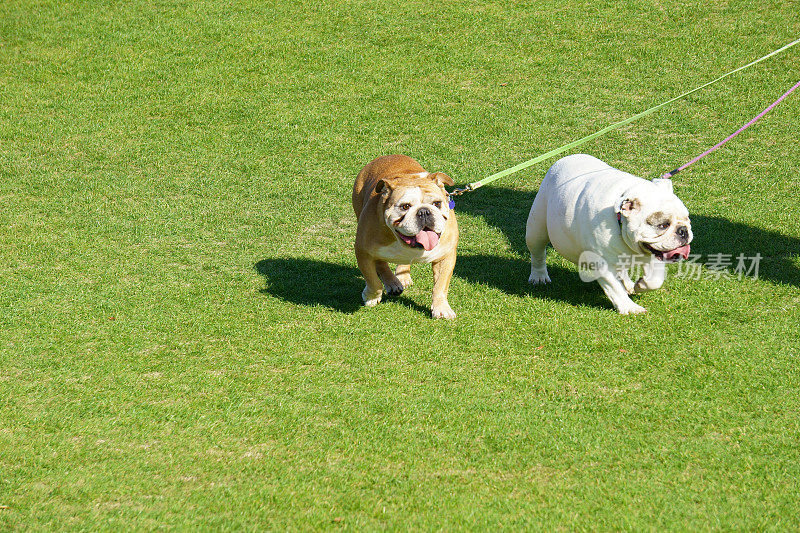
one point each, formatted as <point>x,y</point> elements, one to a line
<point>404,217</point>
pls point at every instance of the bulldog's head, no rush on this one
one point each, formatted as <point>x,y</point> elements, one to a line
<point>416,207</point>
<point>654,221</point>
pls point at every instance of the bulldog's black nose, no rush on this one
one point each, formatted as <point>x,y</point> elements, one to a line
<point>683,233</point>
<point>424,214</point>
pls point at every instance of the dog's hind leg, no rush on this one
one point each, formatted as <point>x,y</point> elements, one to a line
<point>392,285</point>
<point>536,238</point>
<point>403,273</point>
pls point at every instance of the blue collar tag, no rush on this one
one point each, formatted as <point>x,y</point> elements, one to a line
<point>452,204</point>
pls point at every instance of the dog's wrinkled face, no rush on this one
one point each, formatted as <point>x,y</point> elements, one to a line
<point>416,207</point>
<point>657,223</point>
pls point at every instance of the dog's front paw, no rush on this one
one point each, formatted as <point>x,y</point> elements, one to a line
<point>443,311</point>
<point>539,276</point>
<point>646,285</point>
<point>631,309</point>
<point>371,299</point>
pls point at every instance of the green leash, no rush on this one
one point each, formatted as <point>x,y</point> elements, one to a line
<point>616,125</point>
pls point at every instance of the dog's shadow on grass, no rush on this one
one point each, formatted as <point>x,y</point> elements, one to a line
<point>507,210</point>
<point>310,282</point>
<point>510,275</point>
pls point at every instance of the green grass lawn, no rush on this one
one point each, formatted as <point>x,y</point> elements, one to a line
<point>182,341</point>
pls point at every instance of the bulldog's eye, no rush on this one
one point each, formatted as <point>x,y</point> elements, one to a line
<point>405,207</point>
<point>659,220</point>
<point>437,204</point>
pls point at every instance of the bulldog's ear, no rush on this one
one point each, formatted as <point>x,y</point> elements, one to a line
<point>442,179</point>
<point>383,187</point>
<point>627,206</point>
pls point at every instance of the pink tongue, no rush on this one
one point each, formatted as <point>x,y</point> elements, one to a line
<point>677,254</point>
<point>428,239</point>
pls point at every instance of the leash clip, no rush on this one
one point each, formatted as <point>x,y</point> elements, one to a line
<point>459,192</point>
<point>668,175</point>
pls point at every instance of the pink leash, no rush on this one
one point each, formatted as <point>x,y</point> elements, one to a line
<point>731,136</point>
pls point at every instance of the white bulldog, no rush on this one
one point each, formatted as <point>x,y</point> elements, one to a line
<point>605,220</point>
